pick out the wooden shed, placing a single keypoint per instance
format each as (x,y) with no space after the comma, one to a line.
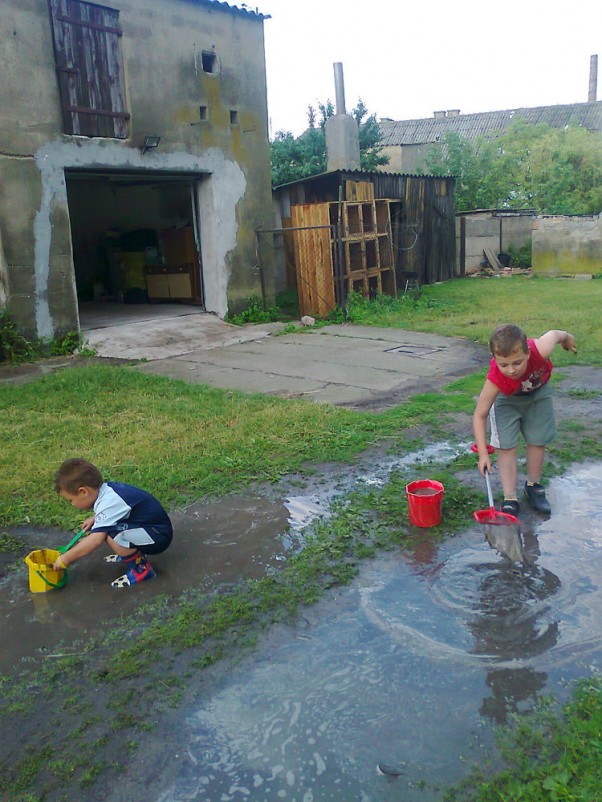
(367,232)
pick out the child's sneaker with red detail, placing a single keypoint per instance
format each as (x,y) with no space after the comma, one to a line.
(140,570)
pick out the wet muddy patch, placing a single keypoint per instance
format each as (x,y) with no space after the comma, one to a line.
(385,690)
(216,544)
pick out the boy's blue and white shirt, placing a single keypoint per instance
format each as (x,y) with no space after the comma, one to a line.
(122,507)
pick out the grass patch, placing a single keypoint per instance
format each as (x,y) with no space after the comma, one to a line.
(179,441)
(473,307)
(554,757)
(575,392)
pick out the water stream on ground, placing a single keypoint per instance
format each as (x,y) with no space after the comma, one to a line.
(390,691)
(387,689)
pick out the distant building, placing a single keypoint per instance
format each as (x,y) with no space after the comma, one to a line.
(407,142)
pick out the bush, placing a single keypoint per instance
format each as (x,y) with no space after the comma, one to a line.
(255,312)
(520,257)
(16,349)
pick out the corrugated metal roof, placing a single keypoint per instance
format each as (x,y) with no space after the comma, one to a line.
(243,8)
(471,126)
(355,175)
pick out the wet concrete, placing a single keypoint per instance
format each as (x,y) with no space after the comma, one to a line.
(360,367)
(390,690)
(160,331)
(355,366)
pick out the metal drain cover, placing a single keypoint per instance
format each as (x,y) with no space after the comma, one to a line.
(412,350)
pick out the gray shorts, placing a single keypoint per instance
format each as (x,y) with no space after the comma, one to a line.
(530,415)
(149,539)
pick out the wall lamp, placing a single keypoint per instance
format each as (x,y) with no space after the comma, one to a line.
(150,143)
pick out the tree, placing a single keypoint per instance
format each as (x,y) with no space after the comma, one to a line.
(298,157)
(552,170)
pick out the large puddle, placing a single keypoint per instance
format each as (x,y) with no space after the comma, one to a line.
(387,690)
(391,691)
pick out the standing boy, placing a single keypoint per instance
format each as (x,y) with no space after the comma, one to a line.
(131,521)
(517,396)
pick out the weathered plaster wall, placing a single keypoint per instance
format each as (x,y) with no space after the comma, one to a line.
(3,277)
(217,209)
(404,158)
(567,246)
(165,86)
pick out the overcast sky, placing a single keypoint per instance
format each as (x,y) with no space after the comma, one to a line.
(406,60)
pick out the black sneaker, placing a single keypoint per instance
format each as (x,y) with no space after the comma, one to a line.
(510,506)
(536,496)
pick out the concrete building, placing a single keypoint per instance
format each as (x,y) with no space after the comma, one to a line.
(134,156)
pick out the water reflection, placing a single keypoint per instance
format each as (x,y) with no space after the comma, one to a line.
(512,618)
(513,690)
(514,621)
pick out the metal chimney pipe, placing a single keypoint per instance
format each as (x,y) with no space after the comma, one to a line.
(593,79)
(339,88)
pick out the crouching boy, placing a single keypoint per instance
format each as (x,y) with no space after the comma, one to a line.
(130,521)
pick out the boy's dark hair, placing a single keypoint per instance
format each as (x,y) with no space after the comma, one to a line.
(505,339)
(76,473)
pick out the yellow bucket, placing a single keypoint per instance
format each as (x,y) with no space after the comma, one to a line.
(42,576)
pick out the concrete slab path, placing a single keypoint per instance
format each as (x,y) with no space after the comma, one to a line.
(355,366)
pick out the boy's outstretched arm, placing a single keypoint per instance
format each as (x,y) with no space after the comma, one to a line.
(548,341)
(84,547)
(479,423)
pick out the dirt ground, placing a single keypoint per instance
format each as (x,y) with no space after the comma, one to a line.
(578,404)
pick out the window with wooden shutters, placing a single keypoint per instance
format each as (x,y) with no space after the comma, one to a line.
(88,64)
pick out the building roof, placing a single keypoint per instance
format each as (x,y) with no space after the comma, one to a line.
(240,8)
(353,175)
(471,126)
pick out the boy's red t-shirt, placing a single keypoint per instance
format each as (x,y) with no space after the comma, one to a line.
(537,374)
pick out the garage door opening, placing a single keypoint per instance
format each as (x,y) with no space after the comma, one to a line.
(135,238)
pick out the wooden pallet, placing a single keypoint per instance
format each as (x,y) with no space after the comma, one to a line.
(367,263)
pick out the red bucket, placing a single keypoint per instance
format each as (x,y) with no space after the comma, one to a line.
(425,498)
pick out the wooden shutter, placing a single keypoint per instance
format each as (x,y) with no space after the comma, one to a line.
(88,63)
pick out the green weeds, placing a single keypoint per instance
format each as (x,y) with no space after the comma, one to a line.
(554,757)
(257,312)
(15,348)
